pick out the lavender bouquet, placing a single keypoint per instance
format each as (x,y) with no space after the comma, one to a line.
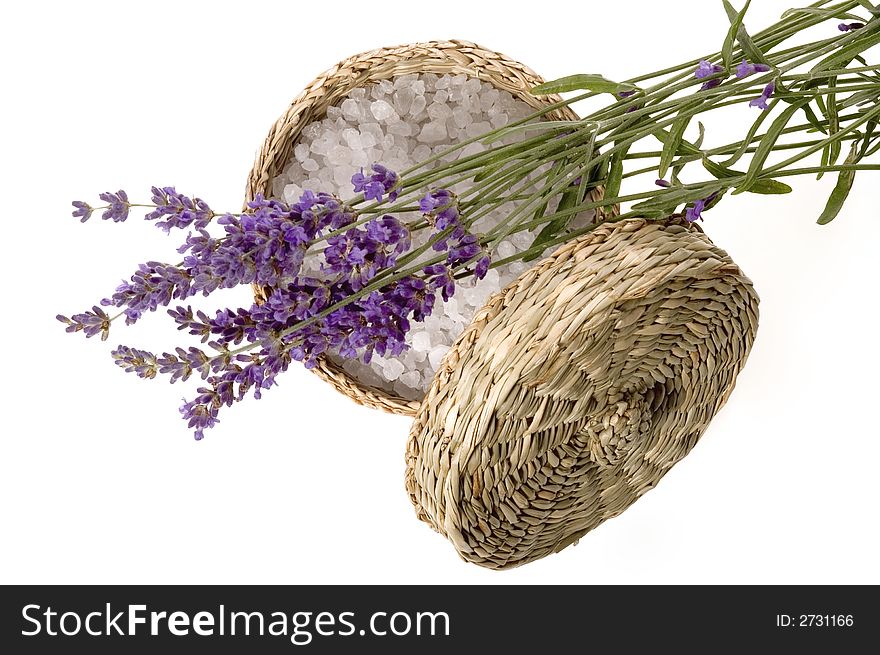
(353,275)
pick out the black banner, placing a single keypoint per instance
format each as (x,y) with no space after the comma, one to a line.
(515,619)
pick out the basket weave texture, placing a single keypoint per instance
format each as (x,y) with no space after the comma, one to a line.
(574,390)
(332,86)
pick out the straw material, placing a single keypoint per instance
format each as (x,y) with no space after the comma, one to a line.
(329,88)
(575,389)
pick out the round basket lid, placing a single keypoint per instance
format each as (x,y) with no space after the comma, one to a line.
(575,389)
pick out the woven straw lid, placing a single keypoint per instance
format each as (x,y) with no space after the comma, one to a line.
(332,86)
(575,389)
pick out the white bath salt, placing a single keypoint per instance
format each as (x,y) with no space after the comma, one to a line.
(399,123)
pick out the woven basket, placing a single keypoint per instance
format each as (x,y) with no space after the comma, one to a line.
(329,88)
(574,389)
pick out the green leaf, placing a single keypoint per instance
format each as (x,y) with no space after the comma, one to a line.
(763,187)
(730,39)
(841,190)
(823,162)
(859,97)
(813,120)
(615,173)
(702,135)
(770,188)
(765,145)
(870,127)
(748,46)
(595,83)
(673,142)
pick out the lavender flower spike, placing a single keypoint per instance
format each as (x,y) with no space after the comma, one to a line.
(83,210)
(745,69)
(178,210)
(89,323)
(706,69)
(848,27)
(117,206)
(761,100)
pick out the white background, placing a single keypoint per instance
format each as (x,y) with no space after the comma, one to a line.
(101,482)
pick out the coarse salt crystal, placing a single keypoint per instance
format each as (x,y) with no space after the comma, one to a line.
(381,110)
(433,132)
(421,341)
(436,356)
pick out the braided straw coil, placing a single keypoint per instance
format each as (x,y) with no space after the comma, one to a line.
(331,87)
(576,388)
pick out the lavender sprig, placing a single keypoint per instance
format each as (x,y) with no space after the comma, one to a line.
(117,206)
(89,322)
(304,315)
(178,210)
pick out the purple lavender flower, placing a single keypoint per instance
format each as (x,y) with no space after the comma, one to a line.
(463,251)
(693,213)
(662,183)
(745,69)
(761,100)
(706,69)
(440,277)
(439,199)
(413,294)
(117,206)
(390,232)
(848,27)
(201,412)
(153,285)
(359,181)
(182,364)
(441,209)
(482,267)
(198,324)
(178,210)
(710,84)
(83,210)
(89,323)
(233,327)
(132,360)
(374,186)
